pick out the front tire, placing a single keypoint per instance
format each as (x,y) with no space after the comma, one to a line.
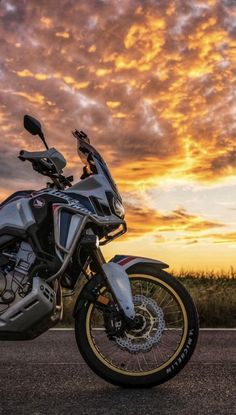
(144,368)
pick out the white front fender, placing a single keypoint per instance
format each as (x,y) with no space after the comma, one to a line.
(118,279)
(119,282)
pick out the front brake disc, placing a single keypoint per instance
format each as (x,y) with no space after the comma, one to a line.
(136,341)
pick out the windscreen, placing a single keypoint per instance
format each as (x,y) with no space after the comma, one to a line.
(93,161)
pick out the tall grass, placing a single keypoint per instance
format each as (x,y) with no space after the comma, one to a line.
(214,294)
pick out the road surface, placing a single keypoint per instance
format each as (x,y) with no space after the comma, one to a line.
(48,376)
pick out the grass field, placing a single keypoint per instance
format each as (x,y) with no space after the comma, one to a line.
(214,296)
(213,293)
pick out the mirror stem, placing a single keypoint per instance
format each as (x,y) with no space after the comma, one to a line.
(43,140)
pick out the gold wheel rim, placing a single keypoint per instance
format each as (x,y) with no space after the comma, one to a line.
(159,368)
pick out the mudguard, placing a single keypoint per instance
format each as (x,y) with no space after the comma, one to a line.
(126,261)
(118,280)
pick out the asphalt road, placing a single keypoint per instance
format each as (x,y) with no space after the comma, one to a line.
(48,376)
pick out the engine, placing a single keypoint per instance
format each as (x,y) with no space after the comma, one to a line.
(15,280)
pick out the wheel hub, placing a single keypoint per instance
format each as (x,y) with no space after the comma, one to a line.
(149,328)
(140,323)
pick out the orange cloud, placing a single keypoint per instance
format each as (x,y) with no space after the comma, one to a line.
(145,220)
(146,39)
(113,104)
(36,98)
(92,48)
(172,68)
(217,238)
(47,22)
(65,35)
(25,73)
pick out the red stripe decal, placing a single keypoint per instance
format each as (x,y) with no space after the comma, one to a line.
(126,260)
(54,206)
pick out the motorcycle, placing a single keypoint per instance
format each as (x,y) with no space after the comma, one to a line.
(135,325)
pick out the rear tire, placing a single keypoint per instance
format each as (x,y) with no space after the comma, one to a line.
(186,331)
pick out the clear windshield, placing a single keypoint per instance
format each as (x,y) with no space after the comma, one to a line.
(94,162)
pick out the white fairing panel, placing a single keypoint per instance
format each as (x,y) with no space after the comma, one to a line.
(17,214)
(91,186)
(95,186)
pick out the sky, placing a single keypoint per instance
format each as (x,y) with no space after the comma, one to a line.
(153,85)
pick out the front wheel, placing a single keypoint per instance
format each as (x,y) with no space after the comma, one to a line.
(158,349)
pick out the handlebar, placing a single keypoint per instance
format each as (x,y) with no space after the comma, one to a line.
(43,165)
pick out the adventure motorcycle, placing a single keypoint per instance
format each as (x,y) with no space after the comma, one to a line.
(135,325)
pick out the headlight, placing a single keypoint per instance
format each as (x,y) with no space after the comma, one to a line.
(118,208)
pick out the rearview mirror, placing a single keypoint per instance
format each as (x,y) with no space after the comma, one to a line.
(34,127)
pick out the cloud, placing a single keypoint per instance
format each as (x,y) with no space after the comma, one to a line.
(143,220)
(161,79)
(152,86)
(217,238)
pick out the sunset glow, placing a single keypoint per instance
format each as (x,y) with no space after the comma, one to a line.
(153,85)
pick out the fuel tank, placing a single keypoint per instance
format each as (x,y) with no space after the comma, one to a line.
(16,214)
(24,209)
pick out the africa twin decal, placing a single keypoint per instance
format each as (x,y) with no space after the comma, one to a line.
(71,202)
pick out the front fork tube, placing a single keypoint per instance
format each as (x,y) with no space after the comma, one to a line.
(118,281)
